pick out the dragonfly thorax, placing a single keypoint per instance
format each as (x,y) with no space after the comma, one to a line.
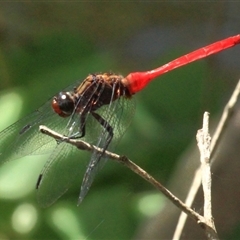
(95,91)
(99,89)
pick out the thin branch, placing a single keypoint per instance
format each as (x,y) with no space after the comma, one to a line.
(191,195)
(204,141)
(226,116)
(135,168)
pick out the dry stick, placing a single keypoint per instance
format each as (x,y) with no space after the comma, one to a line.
(204,141)
(227,114)
(135,168)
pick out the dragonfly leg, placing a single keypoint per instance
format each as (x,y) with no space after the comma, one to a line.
(79,134)
(105,125)
(82,128)
(94,163)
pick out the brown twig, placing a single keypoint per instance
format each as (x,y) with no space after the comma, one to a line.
(135,168)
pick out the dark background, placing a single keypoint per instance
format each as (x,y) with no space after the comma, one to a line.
(45,47)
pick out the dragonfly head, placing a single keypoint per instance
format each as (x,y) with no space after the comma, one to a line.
(63,104)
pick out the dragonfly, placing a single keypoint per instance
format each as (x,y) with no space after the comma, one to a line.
(98,110)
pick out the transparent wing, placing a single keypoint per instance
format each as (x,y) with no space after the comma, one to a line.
(118,115)
(23,137)
(61,168)
(59,173)
(65,163)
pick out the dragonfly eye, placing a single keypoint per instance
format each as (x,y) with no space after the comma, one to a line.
(63,104)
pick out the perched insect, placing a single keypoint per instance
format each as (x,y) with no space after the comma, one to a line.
(99,109)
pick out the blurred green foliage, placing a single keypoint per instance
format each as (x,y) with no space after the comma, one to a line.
(47,46)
